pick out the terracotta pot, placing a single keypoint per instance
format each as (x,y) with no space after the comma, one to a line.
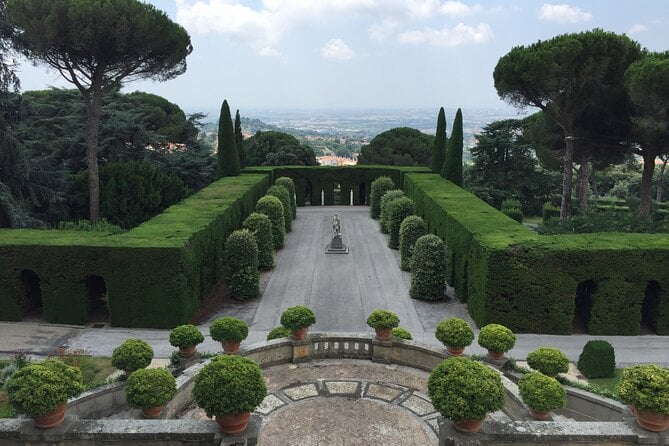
(51,419)
(152,412)
(384,334)
(650,420)
(540,415)
(468,426)
(187,351)
(455,351)
(230,347)
(300,333)
(495,355)
(233,424)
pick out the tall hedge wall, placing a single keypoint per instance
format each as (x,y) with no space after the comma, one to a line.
(510,275)
(155,274)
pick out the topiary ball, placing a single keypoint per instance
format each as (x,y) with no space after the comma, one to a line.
(454,332)
(185,335)
(278,333)
(229,329)
(299,316)
(378,188)
(646,387)
(541,393)
(597,360)
(379,319)
(496,338)
(549,361)
(402,333)
(150,387)
(132,355)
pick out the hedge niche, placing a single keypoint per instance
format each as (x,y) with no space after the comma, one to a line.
(384,218)
(261,228)
(412,228)
(428,281)
(272,207)
(398,210)
(378,189)
(241,260)
(289,184)
(282,194)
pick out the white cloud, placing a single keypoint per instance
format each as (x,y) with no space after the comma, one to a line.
(637,28)
(382,31)
(561,13)
(337,49)
(458,9)
(461,34)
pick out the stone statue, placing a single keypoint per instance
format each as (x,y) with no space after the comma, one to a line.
(336,225)
(336,246)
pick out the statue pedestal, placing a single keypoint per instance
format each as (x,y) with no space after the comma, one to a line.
(336,246)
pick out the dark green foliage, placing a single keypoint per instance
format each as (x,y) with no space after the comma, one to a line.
(278,333)
(398,210)
(606,220)
(496,338)
(597,360)
(283,194)
(428,269)
(549,212)
(411,229)
(228,155)
(239,139)
(150,387)
(288,183)
(646,387)
(401,146)
(133,354)
(463,389)
(185,335)
(241,263)
(454,332)
(229,384)
(512,208)
(440,142)
(541,393)
(101,225)
(294,318)
(272,207)
(229,329)
(384,217)
(379,319)
(402,333)
(379,188)
(277,149)
(452,168)
(549,361)
(261,228)
(38,388)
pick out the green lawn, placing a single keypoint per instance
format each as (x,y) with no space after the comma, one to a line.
(609,384)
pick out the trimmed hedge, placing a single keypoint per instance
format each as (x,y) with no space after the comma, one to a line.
(289,184)
(597,360)
(272,207)
(380,187)
(427,269)
(397,211)
(384,218)
(412,228)
(261,228)
(510,275)
(282,194)
(241,255)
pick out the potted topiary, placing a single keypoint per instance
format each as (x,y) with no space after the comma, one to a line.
(497,339)
(549,361)
(278,333)
(132,355)
(455,334)
(383,321)
(646,389)
(230,332)
(597,360)
(186,337)
(541,394)
(230,387)
(465,391)
(297,319)
(41,390)
(402,333)
(150,390)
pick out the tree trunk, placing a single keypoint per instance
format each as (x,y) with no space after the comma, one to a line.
(593,175)
(584,189)
(646,184)
(660,179)
(567,177)
(94,113)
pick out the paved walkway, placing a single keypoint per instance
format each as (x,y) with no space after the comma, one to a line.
(342,289)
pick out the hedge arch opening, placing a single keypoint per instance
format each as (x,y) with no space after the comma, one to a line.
(308,191)
(96,292)
(362,194)
(32,306)
(337,194)
(583,305)
(650,307)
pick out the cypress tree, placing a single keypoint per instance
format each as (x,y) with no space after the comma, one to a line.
(228,157)
(439,148)
(452,169)
(239,139)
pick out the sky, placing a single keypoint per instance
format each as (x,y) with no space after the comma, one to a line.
(367,54)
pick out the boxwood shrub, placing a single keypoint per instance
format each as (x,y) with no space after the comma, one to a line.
(185,335)
(428,275)
(398,210)
(379,319)
(378,188)
(384,217)
(299,316)
(646,387)
(282,194)
(497,338)
(549,361)
(272,207)
(597,360)
(541,393)
(278,333)
(402,333)
(133,354)
(412,228)
(289,184)
(261,228)
(241,254)
(150,387)
(454,332)
(229,329)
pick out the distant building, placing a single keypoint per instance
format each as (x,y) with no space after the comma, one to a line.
(330,160)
